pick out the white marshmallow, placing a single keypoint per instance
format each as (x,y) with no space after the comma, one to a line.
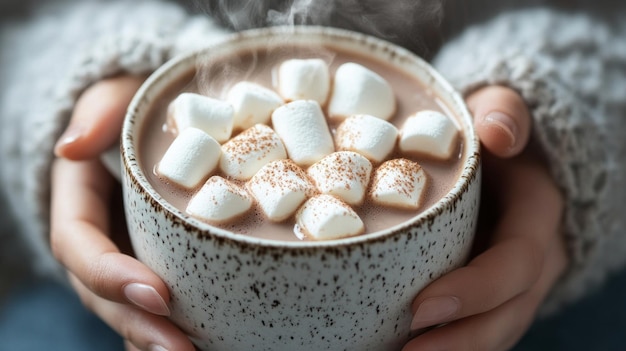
(246,153)
(304,79)
(344,174)
(325,217)
(219,201)
(358,90)
(398,183)
(253,104)
(212,116)
(302,127)
(280,187)
(370,136)
(191,157)
(429,133)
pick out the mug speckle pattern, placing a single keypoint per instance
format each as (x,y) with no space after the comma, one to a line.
(232,292)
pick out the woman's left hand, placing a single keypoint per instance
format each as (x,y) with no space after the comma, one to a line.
(489,304)
(88,233)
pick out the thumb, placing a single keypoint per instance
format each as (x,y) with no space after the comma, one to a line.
(502,120)
(97,118)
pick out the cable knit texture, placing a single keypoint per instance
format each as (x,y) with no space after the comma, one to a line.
(571,71)
(50,62)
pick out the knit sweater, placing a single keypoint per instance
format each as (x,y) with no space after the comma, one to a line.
(570,67)
(49,54)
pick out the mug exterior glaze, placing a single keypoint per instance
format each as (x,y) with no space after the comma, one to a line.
(235,292)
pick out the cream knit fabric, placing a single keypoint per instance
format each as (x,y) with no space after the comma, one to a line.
(45,65)
(571,70)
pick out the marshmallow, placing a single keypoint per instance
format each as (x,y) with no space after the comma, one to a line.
(191,157)
(245,154)
(280,187)
(398,183)
(344,174)
(302,127)
(358,90)
(429,133)
(325,217)
(306,79)
(214,117)
(253,104)
(372,137)
(219,201)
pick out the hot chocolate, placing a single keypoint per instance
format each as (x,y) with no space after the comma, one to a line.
(216,78)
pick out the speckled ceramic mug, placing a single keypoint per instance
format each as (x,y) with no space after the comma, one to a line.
(235,292)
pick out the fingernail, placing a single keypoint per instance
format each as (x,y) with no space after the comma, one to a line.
(147,298)
(435,310)
(156,348)
(71,134)
(505,123)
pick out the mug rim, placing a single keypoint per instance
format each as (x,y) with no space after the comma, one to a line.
(132,169)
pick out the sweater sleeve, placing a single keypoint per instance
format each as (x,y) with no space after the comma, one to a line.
(571,71)
(46,62)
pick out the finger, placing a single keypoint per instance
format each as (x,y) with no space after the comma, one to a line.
(129,346)
(501,328)
(508,268)
(97,118)
(495,277)
(140,329)
(502,120)
(79,239)
(492,331)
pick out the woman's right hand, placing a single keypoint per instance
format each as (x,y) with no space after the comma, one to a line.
(519,250)
(88,233)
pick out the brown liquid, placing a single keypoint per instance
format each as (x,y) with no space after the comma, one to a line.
(215,77)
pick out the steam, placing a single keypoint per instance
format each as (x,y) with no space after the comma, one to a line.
(405,22)
(408,23)
(302,12)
